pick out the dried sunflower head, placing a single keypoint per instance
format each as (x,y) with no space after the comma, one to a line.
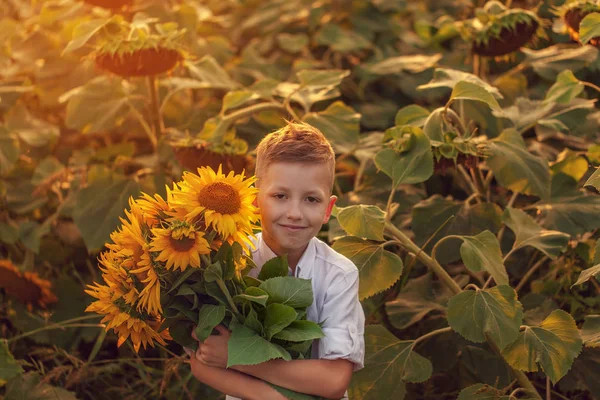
(572,13)
(27,287)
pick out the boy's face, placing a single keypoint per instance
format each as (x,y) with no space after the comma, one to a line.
(295,201)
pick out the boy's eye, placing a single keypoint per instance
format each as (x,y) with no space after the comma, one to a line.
(279,196)
(312,199)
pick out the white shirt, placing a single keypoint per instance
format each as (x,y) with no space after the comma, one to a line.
(335,289)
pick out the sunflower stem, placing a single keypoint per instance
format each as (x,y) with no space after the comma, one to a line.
(229,299)
(54,326)
(156,117)
(225,123)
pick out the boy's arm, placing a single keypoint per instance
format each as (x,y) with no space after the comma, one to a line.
(326,378)
(233,383)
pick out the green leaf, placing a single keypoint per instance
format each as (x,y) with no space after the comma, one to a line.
(278,317)
(495,312)
(378,268)
(434,124)
(389,363)
(362,221)
(517,169)
(322,78)
(587,274)
(10,233)
(589,27)
(554,345)
(237,98)
(411,115)
(341,40)
(208,70)
(479,391)
(48,167)
(446,77)
(98,208)
(9,368)
(471,91)
(566,88)
(247,347)
(84,32)
(97,106)
(396,65)
(209,316)
(292,43)
(31,233)
(9,151)
(550,61)
(213,272)
(30,387)
(340,125)
(590,331)
(594,180)
(276,266)
(288,290)
(529,233)
(34,131)
(299,331)
(569,163)
(414,165)
(483,252)
(254,295)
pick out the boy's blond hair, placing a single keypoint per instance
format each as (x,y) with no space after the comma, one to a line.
(295,142)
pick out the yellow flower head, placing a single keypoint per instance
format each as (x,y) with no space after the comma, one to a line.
(118,277)
(150,294)
(129,240)
(124,320)
(180,245)
(225,202)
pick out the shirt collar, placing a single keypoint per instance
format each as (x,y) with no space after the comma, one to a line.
(305,264)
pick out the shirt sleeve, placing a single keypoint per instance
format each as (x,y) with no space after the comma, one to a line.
(344,322)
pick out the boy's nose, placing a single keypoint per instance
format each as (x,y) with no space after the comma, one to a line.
(293,212)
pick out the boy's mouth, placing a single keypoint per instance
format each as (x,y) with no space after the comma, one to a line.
(292,227)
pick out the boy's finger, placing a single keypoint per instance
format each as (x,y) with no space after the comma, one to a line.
(194,334)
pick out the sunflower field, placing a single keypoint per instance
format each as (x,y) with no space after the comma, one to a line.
(466,135)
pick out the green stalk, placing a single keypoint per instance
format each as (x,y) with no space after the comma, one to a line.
(226,122)
(156,117)
(55,326)
(229,299)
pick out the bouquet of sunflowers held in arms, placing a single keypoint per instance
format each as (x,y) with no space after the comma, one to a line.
(181,264)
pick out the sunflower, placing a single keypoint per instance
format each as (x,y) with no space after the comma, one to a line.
(180,245)
(27,287)
(118,278)
(225,202)
(149,298)
(129,240)
(125,320)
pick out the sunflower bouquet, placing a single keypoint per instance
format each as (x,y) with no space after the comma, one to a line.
(181,264)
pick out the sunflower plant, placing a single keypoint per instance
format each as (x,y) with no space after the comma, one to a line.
(181,264)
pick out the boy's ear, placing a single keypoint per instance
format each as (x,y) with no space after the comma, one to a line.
(332,201)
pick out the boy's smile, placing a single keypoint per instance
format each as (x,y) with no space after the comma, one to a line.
(295,201)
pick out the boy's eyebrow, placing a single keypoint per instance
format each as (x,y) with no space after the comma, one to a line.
(286,188)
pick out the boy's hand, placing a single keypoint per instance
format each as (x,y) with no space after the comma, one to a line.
(213,351)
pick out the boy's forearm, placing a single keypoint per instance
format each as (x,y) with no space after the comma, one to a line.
(234,383)
(326,378)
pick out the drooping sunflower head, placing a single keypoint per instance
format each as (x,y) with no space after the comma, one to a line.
(179,245)
(27,287)
(224,202)
(124,319)
(119,278)
(154,209)
(141,48)
(573,12)
(129,239)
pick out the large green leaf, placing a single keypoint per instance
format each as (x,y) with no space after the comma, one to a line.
(554,345)
(48,167)
(30,387)
(9,368)
(550,61)
(322,78)
(237,98)
(483,252)
(209,316)
(276,266)
(587,274)
(396,65)
(570,211)
(299,331)
(566,88)
(98,208)
(389,363)
(34,131)
(430,214)
(294,292)
(594,180)
(413,164)
(340,39)
(247,347)
(208,71)
(378,268)
(411,115)
(590,331)
(277,318)
(494,312)
(254,295)
(340,125)
(471,91)
(529,233)
(419,297)
(517,169)
(362,221)
(449,78)
(84,32)
(589,27)
(479,391)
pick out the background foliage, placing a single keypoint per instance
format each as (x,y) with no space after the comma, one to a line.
(466,178)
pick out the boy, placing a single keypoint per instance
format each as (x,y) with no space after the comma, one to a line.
(295,170)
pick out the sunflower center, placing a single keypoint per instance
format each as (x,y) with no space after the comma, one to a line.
(220,197)
(182,243)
